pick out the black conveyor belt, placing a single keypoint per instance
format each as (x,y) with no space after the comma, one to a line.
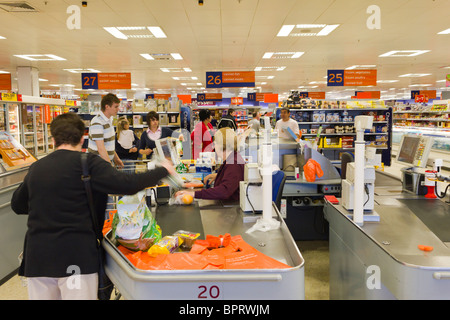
(170,218)
(434,214)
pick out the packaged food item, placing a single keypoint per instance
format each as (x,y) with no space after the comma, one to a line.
(166,245)
(188,238)
(133,225)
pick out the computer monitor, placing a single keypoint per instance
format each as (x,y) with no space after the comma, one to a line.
(414,150)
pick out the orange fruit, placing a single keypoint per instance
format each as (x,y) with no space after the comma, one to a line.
(187,199)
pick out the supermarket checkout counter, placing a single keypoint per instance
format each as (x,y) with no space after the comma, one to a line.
(215,218)
(382,260)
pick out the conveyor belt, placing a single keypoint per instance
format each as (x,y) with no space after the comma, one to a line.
(434,214)
(170,218)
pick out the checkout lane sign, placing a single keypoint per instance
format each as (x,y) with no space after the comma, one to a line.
(230,79)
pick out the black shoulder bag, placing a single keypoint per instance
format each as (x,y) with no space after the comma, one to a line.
(105,286)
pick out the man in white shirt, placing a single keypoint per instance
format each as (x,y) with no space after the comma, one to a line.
(101,131)
(255,123)
(286,122)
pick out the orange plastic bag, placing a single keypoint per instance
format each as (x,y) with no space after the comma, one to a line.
(237,254)
(311,169)
(108,223)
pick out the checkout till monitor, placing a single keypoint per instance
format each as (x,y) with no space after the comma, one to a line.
(414,150)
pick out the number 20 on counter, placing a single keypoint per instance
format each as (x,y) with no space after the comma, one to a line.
(335,78)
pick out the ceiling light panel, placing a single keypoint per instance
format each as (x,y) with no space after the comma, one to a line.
(415,75)
(282,55)
(82,70)
(162,56)
(447,31)
(269,68)
(306,30)
(39,57)
(136,32)
(176,70)
(403,53)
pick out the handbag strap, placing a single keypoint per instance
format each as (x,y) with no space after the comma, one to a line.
(86,178)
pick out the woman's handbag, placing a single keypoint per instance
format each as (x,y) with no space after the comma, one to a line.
(105,286)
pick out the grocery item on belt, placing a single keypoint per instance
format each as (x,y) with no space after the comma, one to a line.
(133,225)
(166,245)
(188,238)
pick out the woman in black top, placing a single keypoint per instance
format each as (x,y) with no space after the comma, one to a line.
(60,232)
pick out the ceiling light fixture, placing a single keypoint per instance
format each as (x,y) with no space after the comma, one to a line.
(155,32)
(306,30)
(447,31)
(269,68)
(403,53)
(82,70)
(387,81)
(282,55)
(363,66)
(39,57)
(147,56)
(414,75)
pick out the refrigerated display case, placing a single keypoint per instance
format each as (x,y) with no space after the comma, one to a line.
(9,118)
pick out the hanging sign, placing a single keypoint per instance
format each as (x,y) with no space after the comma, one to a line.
(209,97)
(5,81)
(233,79)
(271,98)
(367,95)
(312,95)
(185,98)
(430,94)
(162,96)
(339,78)
(106,81)
(237,100)
(256,96)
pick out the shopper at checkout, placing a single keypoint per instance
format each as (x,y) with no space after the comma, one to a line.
(202,135)
(154,132)
(231,172)
(60,238)
(126,144)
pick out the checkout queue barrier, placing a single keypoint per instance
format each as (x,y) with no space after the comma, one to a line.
(246,284)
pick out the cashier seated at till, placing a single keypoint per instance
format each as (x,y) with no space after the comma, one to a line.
(231,172)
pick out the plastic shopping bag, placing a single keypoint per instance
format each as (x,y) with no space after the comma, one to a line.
(311,169)
(133,225)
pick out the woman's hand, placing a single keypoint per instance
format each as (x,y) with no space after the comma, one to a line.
(210,178)
(184,192)
(132,150)
(169,166)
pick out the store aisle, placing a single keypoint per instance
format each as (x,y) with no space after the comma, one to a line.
(315,254)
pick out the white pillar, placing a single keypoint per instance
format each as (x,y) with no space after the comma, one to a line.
(28,81)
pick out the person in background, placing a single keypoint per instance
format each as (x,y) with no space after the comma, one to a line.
(202,135)
(101,131)
(126,145)
(286,122)
(154,132)
(255,123)
(60,238)
(231,172)
(228,120)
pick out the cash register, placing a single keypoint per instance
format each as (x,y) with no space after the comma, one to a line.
(413,152)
